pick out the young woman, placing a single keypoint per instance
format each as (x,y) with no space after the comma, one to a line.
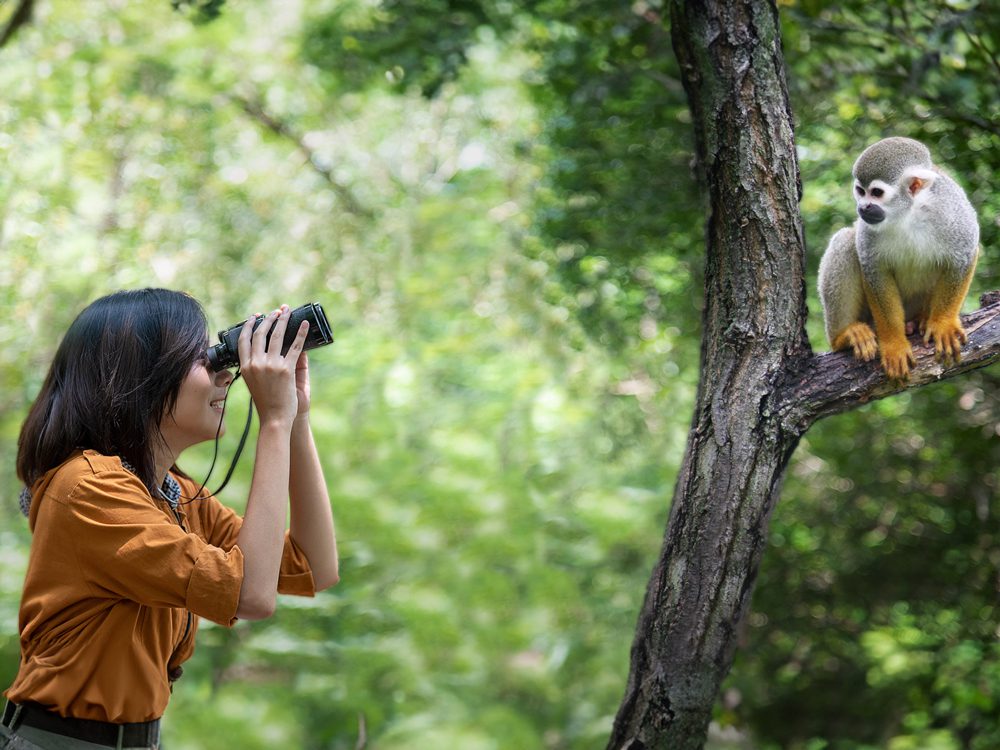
(125,557)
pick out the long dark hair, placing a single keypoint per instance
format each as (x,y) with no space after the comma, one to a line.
(116,373)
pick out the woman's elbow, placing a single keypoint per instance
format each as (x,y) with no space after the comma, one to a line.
(251,608)
(326,580)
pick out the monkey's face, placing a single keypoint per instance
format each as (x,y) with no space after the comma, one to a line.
(872,200)
(881,203)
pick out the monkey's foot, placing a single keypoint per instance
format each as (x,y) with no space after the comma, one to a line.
(897,359)
(948,337)
(859,338)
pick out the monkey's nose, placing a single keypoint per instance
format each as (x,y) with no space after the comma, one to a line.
(870,213)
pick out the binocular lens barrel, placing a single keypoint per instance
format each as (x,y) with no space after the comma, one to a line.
(225,354)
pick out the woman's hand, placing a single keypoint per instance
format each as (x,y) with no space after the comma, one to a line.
(272,379)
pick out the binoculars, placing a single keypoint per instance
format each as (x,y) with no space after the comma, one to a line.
(225,354)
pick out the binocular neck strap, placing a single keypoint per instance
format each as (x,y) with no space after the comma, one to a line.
(239,450)
(215,455)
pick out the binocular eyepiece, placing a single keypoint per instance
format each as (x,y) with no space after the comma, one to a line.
(226,354)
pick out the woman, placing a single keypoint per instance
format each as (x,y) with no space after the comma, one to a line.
(124,556)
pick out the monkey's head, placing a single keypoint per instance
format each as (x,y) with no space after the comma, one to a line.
(888,177)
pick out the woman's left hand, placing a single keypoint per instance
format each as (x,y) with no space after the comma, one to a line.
(302,384)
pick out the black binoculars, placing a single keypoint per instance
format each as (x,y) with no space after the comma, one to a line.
(225,354)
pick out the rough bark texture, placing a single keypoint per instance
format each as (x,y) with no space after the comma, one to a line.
(760,389)
(753,332)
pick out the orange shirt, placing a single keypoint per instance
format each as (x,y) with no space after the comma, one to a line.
(112,576)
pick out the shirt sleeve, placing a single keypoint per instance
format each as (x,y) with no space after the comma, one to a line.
(127,547)
(222,528)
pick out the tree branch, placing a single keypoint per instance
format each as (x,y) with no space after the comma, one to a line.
(283,129)
(835,382)
(20,17)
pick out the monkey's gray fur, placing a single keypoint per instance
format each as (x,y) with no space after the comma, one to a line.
(840,287)
(887,159)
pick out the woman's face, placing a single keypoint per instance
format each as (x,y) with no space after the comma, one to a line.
(197,414)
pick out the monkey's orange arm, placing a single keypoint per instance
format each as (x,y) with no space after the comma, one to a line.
(890,326)
(943,325)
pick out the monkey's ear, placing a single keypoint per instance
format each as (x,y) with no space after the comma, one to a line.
(917,180)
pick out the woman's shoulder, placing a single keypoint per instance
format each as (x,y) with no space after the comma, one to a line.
(92,462)
(81,481)
(79,466)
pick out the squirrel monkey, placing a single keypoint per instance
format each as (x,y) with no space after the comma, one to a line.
(909,258)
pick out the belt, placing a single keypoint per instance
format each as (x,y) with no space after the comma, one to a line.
(140,734)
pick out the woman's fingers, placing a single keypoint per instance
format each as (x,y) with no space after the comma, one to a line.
(243,342)
(269,336)
(278,331)
(300,340)
(258,342)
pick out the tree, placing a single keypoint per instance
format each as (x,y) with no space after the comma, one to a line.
(761,387)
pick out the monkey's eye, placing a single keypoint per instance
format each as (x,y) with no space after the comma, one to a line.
(859,190)
(877,192)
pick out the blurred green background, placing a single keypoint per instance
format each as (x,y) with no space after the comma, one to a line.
(494,202)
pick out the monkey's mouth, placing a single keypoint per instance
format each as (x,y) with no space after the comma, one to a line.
(871,214)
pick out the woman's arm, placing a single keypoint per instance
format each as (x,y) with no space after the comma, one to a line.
(262,535)
(270,378)
(312,519)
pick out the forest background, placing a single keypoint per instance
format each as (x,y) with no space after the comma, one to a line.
(496,204)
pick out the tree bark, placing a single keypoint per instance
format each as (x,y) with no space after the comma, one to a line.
(835,382)
(753,333)
(760,386)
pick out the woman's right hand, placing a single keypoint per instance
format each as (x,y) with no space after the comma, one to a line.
(270,377)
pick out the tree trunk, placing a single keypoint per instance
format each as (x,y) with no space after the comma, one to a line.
(753,335)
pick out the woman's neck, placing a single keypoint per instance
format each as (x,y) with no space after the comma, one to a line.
(163,459)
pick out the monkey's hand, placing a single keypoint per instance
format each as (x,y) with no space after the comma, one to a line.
(860,339)
(897,359)
(948,337)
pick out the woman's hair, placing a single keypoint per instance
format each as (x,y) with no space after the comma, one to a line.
(115,375)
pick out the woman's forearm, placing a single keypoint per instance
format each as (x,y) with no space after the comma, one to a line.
(261,538)
(311,515)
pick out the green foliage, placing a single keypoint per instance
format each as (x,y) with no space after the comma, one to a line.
(421,43)
(617,219)
(201,11)
(495,203)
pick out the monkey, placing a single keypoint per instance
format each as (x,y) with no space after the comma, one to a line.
(907,262)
